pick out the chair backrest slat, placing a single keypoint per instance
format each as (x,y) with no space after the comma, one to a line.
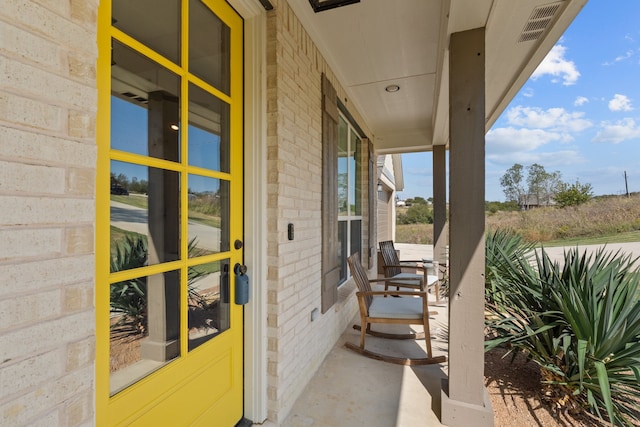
(359,275)
(390,257)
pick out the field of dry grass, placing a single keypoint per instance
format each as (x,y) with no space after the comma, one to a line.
(599,217)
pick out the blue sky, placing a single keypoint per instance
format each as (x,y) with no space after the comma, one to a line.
(578,114)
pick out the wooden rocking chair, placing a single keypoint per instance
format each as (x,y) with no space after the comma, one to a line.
(396,271)
(410,309)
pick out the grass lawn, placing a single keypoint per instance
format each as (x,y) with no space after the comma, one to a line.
(630,236)
(143,202)
(133,200)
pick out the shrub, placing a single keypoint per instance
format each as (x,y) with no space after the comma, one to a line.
(573,194)
(580,322)
(129,297)
(504,251)
(417,214)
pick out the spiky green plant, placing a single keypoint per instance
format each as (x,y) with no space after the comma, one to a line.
(194,274)
(580,322)
(504,251)
(129,297)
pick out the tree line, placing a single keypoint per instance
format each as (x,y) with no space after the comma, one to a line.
(542,188)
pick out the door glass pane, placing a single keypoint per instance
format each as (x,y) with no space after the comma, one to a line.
(145,216)
(145,101)
(208,225)
(343,168)
(154,23)
(208,131)
(209,46)
(145,326)
(208,301)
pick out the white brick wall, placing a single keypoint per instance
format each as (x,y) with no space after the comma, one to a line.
(47,182)
(296,346)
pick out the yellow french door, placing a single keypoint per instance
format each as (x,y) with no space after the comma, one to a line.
(169,213)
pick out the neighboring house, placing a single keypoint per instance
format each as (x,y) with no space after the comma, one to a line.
(254,126)
(528,201)
(390,182)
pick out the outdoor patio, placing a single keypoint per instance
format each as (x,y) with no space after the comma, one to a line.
(352,390)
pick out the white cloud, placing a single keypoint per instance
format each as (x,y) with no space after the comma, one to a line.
(557,66)
(528,93)
(581,100)
(628,54)
(617,132)
(512,140)
(550,159)
(556,119)
(620,103)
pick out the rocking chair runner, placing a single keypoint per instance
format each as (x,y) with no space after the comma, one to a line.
(395,271)
(410,309)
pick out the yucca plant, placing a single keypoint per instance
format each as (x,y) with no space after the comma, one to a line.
(129,297)
(580,322)
(194,274)
(505,253)
(599,300)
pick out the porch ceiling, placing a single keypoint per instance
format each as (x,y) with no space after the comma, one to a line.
(376,43)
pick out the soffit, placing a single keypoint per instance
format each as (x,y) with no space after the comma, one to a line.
(375,43)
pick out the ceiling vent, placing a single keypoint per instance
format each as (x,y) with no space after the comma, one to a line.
(539,21)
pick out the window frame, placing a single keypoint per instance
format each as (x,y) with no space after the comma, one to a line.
(356,177)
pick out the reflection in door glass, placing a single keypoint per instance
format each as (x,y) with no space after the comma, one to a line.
(139,216)
(145,106)
(152,22)
(209,46)
(208,226)
(208,131)
(208,301)
(145,326)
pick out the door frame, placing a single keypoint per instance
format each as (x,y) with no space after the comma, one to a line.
(255,206)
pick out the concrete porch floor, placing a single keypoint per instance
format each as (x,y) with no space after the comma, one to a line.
(352,390)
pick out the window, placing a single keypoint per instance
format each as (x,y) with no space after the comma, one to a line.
(349,178)
(347,195)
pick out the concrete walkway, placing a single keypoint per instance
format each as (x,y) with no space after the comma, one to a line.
(416,252)
(631,248)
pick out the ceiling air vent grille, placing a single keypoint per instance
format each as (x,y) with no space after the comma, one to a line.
(539,21)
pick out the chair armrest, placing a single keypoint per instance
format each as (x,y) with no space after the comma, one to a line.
(404,268)
(391,279)
(392,293)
